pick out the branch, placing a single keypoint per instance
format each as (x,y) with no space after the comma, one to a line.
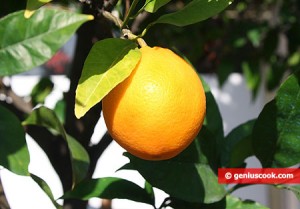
(138,21)
(129,13)
(112,18)
(3,201)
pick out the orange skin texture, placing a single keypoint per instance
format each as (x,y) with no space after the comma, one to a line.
(159,109)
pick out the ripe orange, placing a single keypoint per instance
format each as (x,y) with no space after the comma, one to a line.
(159,109)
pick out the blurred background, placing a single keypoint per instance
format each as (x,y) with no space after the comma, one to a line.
(244,54)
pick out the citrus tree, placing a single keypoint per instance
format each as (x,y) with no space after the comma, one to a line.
(110,56)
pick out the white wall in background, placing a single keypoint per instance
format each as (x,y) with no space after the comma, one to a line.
(236,107)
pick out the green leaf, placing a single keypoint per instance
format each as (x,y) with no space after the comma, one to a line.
(225,68)
(109,62)
(254,35)
(293,188)
(14,154)
(213,119)
(238,145)
(177,203)
(33,5)
(60,110)
(149,190)
(234,203)
(275,74)
(294,59)
(270,42)
(27,43)
(195,11)
(45,117)
(191,170)
(41,90)
(44,186)
(153,5)
(276,134)
(109,188)
(252,75)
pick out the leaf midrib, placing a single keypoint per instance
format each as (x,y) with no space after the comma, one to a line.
(104,75)
(42,34)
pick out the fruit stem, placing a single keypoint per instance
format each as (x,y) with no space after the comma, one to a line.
(141,42)
(128,34)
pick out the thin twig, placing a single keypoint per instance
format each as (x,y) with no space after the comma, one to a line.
(129,13)
(127,7)
(138,21)
(118,22)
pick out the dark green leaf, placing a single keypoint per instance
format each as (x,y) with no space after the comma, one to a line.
(109,188)
(44,186)
(153,5)
(109,62)
(195,11)
(27,43)
(79,158)
(195,179)
(276,134)
(270,43)
(238,145)
(213,119)
(293,35)
(234,203)
(14,154)
(225,68)
(41,90)
(275,74)
(177,203)
(45,117)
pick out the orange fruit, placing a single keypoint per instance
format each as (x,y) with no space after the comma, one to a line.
(159,109)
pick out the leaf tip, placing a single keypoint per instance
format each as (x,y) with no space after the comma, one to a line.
(28,13)
(79,110)
(90,17)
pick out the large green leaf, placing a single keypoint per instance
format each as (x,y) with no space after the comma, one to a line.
(153,5)
(195,11)
(33,5)
(27,43)
(109,188)
(238,145)
(276,134)
(109,62)
(192,170)
(234,203)
(45,117)
(14,154)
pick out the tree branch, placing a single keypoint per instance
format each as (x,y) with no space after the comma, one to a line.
(3,201)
